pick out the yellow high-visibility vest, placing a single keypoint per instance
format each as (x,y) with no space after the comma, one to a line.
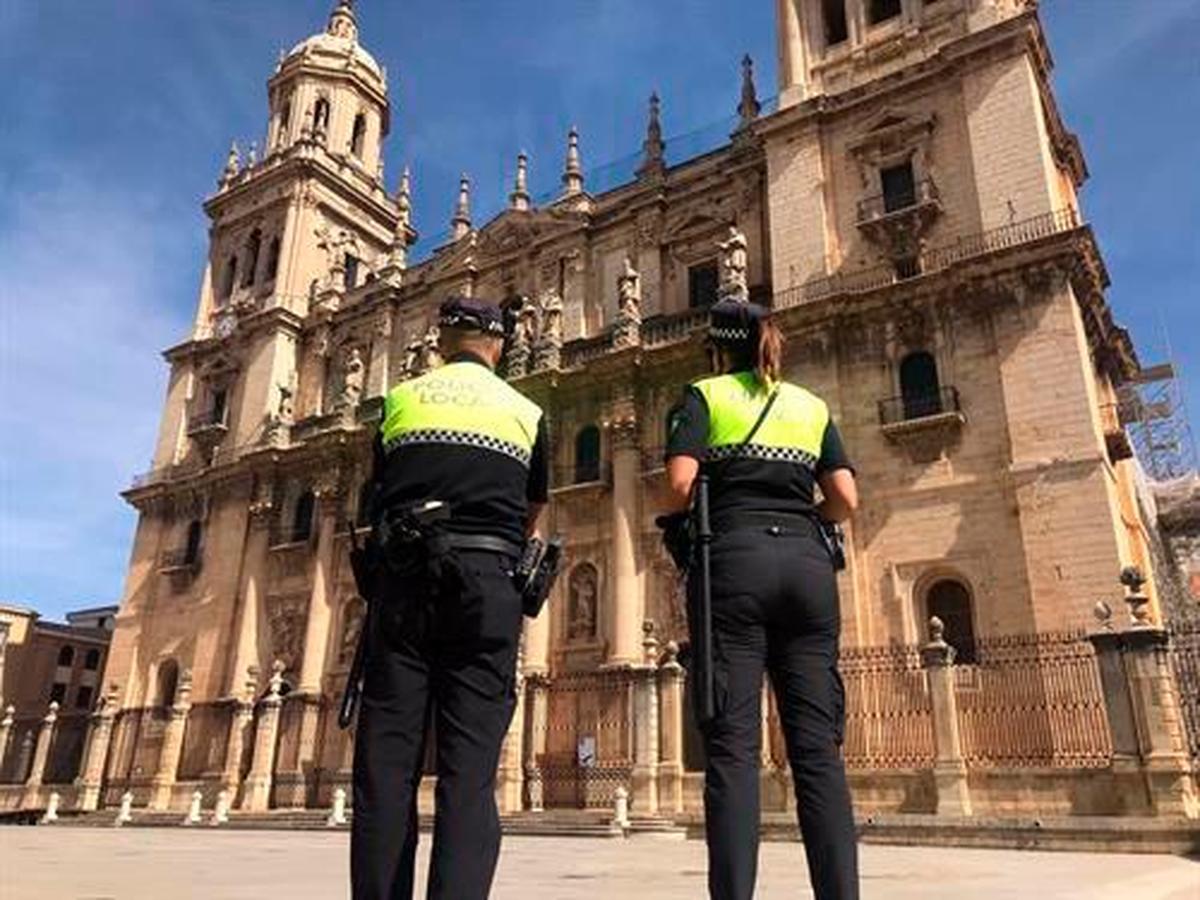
(792,432)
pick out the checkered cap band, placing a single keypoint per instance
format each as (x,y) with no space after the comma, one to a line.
(762,452)
(729,334)
(469,320)
(445,436)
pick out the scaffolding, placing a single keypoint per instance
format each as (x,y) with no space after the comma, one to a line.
(1153,410)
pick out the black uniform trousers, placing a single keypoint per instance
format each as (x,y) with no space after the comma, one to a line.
(775,608)
(448,656)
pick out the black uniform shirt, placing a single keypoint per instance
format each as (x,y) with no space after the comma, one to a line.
(749,485)
(488,492)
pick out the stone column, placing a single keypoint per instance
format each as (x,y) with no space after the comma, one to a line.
(626,594)
(645,729)
(949,768)
(257,541)
(256,794)
(162,785)
(91,778)
(239,730)
(6,728)
(670,714)
(41,756)
(536,686)
(509,787)
(1157,714)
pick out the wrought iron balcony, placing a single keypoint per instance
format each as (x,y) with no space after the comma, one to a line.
(914,407)
(211,423)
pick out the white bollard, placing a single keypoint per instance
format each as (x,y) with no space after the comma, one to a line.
(337,815)
(621,808)
(221,812)
(193,816)
(125,813)
(51,814)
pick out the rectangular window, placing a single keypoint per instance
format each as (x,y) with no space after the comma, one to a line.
(703,283)
(58,693)
(218,406)
(834,13)
(899,187)
(83,699)
(351,271)
(882,10)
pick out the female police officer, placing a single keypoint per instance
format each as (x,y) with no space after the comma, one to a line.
(774,596)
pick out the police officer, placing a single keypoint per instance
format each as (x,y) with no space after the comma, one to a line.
(443,641)
(774,596)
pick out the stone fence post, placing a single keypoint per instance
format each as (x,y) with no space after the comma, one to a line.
(1142,702)
(949,768)
(162,785)
(670,711)
(256,796)
(644,796)
(91,773)
(41,756)
(538,699)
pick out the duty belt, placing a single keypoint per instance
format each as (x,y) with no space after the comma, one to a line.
(774,523)
(487,542)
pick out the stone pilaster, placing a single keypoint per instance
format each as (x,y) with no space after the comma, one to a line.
(41,756)
(949,768)
(256,795)
(671,677)
(644,777)
(624,643)
(6,733)
(91,778)
(240,723)
(162,785)
(250,615)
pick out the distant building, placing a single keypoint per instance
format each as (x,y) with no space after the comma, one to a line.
(43,662)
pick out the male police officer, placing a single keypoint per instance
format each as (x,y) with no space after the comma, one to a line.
(443,641)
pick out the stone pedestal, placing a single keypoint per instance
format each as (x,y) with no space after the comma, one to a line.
(162,785)
(671,677)
(41,756)
(91,779)
(256,793)
(949,768)
(536,697)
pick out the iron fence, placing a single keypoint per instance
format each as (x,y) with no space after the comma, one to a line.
(889,714)
(1185,664)
(919,406)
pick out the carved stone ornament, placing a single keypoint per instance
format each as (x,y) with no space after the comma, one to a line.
(286,619)
(353,378)
(735,261)
(583,600)
(629,309)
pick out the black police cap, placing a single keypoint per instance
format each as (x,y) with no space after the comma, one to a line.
(471,314)
(734,321)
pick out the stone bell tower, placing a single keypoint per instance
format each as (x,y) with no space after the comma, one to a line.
(295,222)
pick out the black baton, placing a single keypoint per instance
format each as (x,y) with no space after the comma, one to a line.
(703,656)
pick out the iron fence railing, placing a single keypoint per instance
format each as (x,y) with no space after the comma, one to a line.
(1185,663)
(920,405)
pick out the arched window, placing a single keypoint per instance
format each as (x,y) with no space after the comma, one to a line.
(358,135)
(351,270)
(950,601)
(587,455)
(168,681)
(66,656)
(91,662)
(302,517)
(285,118)
(191,549)
(321,114)
(272,259)
(253,247)
(919,385)
(230,277)
(583,607)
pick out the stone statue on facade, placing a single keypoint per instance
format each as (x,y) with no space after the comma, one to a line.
(581,620)
(548,351)
(629,307)
(412,356)
(280,419)
(429,357)
(734,263)
(520,343)
(353,375)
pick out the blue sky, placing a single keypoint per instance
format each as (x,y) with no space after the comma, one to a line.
(123,110)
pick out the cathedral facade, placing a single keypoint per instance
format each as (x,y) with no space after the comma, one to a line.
(909,209)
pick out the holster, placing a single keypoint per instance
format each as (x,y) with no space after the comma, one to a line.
(678,538)
(536,573)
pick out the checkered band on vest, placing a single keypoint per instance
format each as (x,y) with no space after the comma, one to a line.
(762,452)
(729,334)
(460,439)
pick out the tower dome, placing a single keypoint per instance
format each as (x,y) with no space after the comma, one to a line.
(335,45)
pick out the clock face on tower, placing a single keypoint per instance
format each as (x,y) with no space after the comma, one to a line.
(225,325)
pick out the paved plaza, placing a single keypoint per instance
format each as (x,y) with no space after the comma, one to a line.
(177,864)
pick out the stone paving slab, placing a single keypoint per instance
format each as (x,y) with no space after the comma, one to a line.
(50,863)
